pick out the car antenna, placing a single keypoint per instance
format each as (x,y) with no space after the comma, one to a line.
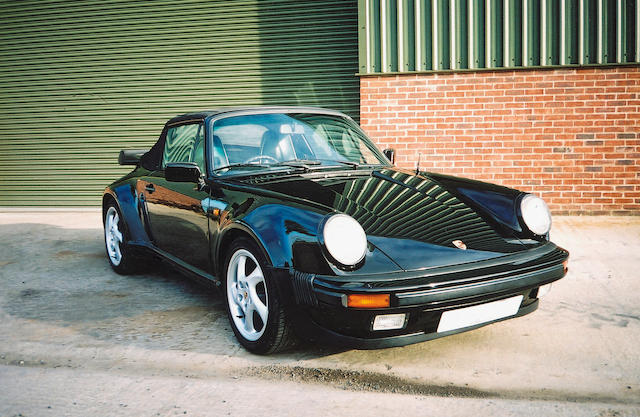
(418,163)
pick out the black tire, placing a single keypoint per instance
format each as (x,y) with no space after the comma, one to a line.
(125,263)
(277,333)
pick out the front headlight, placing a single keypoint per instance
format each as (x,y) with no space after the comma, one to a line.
(344,239)
(536,214)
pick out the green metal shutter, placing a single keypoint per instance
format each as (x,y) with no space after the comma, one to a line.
(79,80)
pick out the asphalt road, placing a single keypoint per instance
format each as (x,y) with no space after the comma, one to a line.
(77,339)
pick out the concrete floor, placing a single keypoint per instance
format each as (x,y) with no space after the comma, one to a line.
(76,338)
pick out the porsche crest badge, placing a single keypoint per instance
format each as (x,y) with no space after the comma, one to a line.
(459,244)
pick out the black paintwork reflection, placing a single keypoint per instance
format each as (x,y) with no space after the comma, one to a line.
(268,222)
(410,220)
(396,208)
(411,254)
(283,228)
(497,204)
(177,222)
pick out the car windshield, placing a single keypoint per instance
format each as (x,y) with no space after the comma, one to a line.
(305,140)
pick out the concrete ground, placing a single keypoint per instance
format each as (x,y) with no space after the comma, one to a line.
(77,339)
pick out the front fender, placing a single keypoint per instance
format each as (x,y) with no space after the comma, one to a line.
(496,204)
(288,234)
(290,237)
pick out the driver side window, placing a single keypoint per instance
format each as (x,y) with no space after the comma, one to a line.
(185,143)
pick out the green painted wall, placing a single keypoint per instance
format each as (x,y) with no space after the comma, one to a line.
(79,80)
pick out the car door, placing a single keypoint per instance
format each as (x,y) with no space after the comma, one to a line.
(176,221)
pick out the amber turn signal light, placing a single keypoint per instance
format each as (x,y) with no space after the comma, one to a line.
(368,300)
(565,264)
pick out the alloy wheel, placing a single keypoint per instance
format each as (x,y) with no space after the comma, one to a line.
(113,236)
(247,295)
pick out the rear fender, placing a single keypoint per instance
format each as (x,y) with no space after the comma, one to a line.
(130,206)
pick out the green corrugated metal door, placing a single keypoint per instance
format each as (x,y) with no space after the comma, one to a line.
(79,80)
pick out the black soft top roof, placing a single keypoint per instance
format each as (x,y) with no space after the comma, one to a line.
(252,109)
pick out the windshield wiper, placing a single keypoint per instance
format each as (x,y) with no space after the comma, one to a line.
(355,165)
(301,162)
(352,164)
(242,165)
(305,164)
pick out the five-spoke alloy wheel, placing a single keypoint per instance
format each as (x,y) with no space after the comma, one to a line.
(114,238)
(257,317)
(247,295)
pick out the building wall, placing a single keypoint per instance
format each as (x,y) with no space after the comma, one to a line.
(569,135)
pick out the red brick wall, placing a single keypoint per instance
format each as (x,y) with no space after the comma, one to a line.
(569,135)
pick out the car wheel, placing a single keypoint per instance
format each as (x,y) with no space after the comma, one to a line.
(118,252)
(257,316)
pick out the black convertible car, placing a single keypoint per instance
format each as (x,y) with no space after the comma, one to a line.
(309,230)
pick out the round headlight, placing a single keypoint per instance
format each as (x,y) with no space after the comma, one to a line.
(536,214)
(344,239)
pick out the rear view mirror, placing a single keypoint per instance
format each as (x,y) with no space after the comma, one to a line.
(131,156)
(183,172)
(390,154)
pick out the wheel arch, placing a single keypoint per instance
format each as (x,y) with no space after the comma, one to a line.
(124,197)
(108,198)
(236,231)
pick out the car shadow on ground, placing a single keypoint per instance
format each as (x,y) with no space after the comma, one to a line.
(61,277)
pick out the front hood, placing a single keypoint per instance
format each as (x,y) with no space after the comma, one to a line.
(413,219)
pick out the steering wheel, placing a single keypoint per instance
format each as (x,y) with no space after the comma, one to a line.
(259,158)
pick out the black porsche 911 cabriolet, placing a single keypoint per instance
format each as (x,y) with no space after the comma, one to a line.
(309,230)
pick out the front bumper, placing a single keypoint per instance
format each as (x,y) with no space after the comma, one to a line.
(423,295)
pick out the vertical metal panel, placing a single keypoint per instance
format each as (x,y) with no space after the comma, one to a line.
(459,35)
(569,29)
(389,35)
(630,30)
(424,35)
(81,80)
(607,28)
(588,17)
(406,36)
(454,34)
(549,32)
(375,37)
(400,35)
(621,36)
(563,32)
(441,34)
(626,30)
(494,35)
(602,37)
(512,33)
(530,32)
(476,40)
(612,29)
(384,32)
(507,32)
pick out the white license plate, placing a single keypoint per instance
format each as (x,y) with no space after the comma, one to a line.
(482,313)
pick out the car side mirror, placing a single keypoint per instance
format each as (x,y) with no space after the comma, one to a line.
(182,172)
(390,153)
(131,156)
